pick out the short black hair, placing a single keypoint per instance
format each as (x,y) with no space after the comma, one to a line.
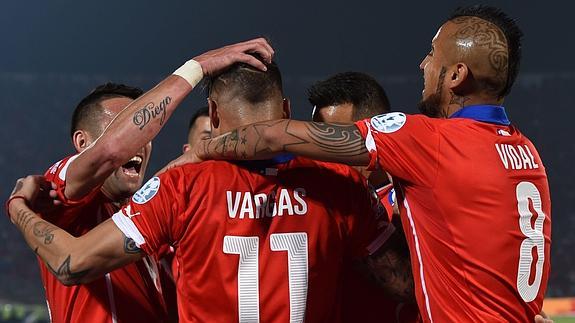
(88,110)
(248,83)
(202,112)
(361,90)
(510,29)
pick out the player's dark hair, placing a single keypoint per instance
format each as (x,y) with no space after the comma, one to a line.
(89,108)
(202,112)
(246,82)
(361,90)
(510,29)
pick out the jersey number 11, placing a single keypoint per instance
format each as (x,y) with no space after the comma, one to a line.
(247,248)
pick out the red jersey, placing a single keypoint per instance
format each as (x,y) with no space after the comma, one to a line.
(257,241)
(475,208)
(127,294)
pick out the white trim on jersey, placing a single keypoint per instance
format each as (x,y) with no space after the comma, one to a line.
(64,169)
(421,275)
(111,298)
(127,226)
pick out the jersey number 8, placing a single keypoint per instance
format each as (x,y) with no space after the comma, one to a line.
(526,191)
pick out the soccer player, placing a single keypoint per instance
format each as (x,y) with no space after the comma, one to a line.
(346,98)
(473,191)
(254,241)
(94,184)
(125,294)
(199,128)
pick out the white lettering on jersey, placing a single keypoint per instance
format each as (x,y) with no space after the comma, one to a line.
(247,206)
(299,194)
(233,210)
(257,206)
(516,157)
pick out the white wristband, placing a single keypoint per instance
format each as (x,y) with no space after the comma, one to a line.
(191,71)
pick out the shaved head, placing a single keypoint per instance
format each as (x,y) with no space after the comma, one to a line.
(489,42)
(483,47)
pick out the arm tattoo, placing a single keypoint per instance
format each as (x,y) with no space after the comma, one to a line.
(65,274)
(23,218)
(43,230)
(130,246)
(344,140)
(151,111)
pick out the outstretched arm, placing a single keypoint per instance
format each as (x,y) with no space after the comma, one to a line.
(324,141)
(141,121)
(72,260)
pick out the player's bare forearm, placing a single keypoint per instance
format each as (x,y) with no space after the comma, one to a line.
(130,130)
(73,260)
(322,141)
(141,121)
(390,269)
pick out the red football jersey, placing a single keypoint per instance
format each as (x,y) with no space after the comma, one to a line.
(259,241)
(128,294)
(476,210)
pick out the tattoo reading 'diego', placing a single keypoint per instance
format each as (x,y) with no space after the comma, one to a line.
(151,111)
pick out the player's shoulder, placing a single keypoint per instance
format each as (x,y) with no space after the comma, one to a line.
(58,169)
(399,122)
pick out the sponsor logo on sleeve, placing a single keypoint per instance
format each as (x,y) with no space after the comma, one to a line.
(147,192)
(389,122)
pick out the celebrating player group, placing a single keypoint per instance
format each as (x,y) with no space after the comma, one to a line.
(361,215)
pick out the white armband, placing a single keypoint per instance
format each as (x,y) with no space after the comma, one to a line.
(191,71)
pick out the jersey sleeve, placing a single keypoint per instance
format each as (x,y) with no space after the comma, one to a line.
(57,175)
(406,146)
(150,219)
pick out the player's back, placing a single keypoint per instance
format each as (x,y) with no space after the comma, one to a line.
(264,242)
(481,225)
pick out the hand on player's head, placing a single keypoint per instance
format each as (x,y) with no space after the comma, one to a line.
(215,61)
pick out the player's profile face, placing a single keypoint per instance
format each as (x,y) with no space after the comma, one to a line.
(433,68)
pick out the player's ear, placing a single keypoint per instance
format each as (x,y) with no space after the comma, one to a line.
(185,148)
(81,140)
(213,110)
(460,78)
(286,108)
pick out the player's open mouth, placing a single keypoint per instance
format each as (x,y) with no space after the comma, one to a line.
(132,168)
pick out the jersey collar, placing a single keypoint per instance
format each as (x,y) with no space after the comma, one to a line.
(266,163)
(484,113)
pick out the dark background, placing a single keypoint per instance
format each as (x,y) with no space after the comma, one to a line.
(52,53)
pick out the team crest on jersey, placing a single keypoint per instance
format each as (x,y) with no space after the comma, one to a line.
(389,122)
(147,192)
